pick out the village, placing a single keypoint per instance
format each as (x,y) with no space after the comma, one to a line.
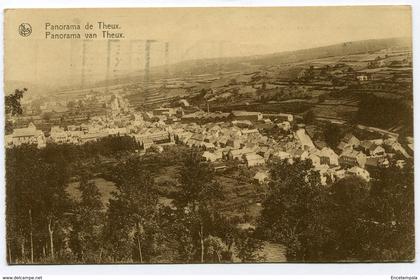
(240,137)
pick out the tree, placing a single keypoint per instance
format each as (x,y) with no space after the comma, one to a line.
(214,248)
(373,221)
(248,246)
(332,135)
(293,210)
(47,116)
(132,227)
(197,201)
(353,220)
(308,117)
(391,212)
(348,220)
(12,102)
(154,149)
(86,237)
(13,107)
(19,195)
(53,199)
(36,202)
(384,112)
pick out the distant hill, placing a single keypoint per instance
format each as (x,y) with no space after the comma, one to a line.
(341,49)
(251,63)
(240,63)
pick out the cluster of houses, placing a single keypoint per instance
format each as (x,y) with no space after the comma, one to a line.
(120,121)
(224,137)
(27,135)
(146,135)
(235,138)
(226,141)
(354,157)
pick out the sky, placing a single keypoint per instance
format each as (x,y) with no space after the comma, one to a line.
(192,33)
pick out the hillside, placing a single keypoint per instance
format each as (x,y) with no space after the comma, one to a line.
(241,63)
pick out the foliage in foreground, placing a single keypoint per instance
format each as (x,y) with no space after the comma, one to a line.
(352,220)
(45,225)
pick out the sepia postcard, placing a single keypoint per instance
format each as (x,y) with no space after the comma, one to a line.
(209,135)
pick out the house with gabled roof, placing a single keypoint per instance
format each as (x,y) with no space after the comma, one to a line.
(245,115)
(376,150)
(351,140)
(222,141)
(328,156)
(238,153)
(282,155)
(235,143)
(28,135)
(299,153)
(212,156)
(371,148)
(252,159)
(261,177)
(352,158)
(58,135)
(358,171)
(315,157)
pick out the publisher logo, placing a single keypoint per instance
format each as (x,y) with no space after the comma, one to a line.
(25,29)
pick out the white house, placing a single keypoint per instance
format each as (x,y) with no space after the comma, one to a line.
(254,159)
(282,155)
(58,135)
(328,156)
(351,140)
(315,158)
(355,170)
(284,125)
(28,135)
(304,139)
(261,177)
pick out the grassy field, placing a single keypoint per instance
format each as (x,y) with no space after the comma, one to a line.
(334,111)
(105,188)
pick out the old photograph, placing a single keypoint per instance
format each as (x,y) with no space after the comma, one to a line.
(209,135)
